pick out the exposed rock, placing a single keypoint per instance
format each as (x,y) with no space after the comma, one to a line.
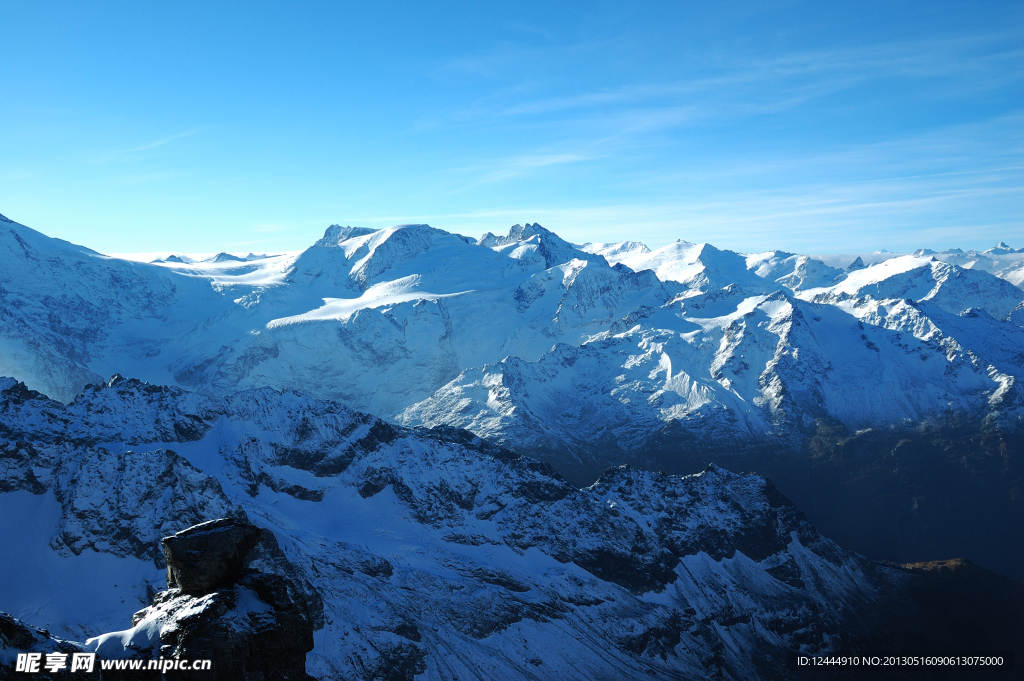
(251,625)
(335,234)
(253,630)
(208,555)
(459,561)
(18,637)
(963,607)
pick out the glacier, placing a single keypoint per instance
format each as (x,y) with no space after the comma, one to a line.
(587,356)
(542,487)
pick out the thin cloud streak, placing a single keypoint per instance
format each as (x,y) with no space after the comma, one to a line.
(141,151)
(158,143)
(517,167)
(776,81)
(802,219)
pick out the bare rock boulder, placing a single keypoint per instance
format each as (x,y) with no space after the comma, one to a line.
(211,554)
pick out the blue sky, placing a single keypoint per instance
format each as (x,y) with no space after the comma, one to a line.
(810,127)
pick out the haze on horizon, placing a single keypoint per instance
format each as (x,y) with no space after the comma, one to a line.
(811,128)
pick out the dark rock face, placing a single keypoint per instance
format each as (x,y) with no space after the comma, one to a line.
(208,555)
(256,629)
(253,626)
(16,634)
(962,607)
(641,575)
(18,637)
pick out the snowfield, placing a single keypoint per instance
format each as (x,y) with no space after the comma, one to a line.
(883,389)
(425,553)
(502,335)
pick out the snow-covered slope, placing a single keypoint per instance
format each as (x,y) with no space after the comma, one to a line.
(428,552)
(899,341)
(533,342)
(384,319)
(380,319)
(883,390)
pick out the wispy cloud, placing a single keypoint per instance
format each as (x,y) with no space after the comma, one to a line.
(956,185)
(155,144)
(270,228)
(969,209)
(142,151)
(141,178)
(517,166)
(625,132)
(735,86)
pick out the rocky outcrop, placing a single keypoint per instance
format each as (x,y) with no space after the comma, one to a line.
(250,625)
(255,629)
(434,555)
(253,626)
(335,234)
(18,637)
(208,555)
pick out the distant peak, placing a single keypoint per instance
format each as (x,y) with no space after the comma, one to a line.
(226,257)
(1002,248)
(515,233)
(857,264)
(550,246)
(335,234)
(520,233)
(4,218)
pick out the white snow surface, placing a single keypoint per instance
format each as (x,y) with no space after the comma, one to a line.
(506,335)
(501,569)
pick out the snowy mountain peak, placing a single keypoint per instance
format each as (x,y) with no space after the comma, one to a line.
(518,233)
(335,234)
(585,357)
(613,251)
(226,257)
(515,233)
(1002,248)
(535,242)
(428,544)
(857,264)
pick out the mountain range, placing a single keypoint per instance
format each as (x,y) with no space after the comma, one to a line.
(889,384)
(544,483)
(430,553)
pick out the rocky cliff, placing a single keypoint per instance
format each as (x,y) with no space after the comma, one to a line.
(414,552)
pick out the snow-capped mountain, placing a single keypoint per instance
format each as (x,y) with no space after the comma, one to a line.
(584,356)
(426,553)
(387,320)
